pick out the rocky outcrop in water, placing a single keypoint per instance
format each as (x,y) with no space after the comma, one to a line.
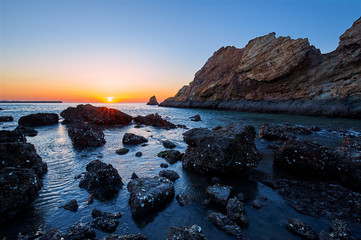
(39,119)
(170,174)
(27,131)
(133,139)
(6,119)
(281,132)
(226,225)
(154,120)
(226,150)
(186,233)
(300,228)
(280,75)
(219,193)
(153,101)
(80,231)
(11,136)
(85,134)
(138,236)
(171,156)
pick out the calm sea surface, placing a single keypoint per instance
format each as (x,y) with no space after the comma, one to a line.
(65,162)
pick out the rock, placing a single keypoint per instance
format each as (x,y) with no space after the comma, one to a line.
(236,212)
(279,132)
(138,154)
(219,193)
(132,139)
(18,189)
(324,235)
(97,213)
(168,144)
(86,135)
(90,199)
(301,229)
(216,180)
(39,119)
(104,224)
(154,120)
(226,225)
(186,233)
(241,197)
(183,199)
(21,155)
(227,150)
(95,115)
(11,136)
(80,231)
(351,141)
(122,151)
(164,165)
(51,234)
(138,236)
(257,204)
(27,131)
(195,118)
(6,119)
(340,230)
(101,180)
(279,75)
(170,174)
(148,194)
(72,205)
(314,129)
(153,101)
(171,156)
(134,176)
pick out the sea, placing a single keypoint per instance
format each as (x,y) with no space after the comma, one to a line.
(65,162)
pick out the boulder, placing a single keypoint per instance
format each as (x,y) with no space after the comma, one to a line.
(11,136)
(186,233)
(27,131)
(105,224)
(195,118)
(168,144)
(148,194)
(226,225)
(97,213)
(183,199)
(86,135)
(171,156)
(132,139)
(164,165)
(170,174)
(226,150)
(101,180)
(39,119)
(72,205)
(219,193)
(138,236)
(301,229)
(95,115)
(18,189)
(122,151)
(154,120)
(80,231)
(236,212)
(6,119)
(138,154)
(340,230)
(134,176)
(153,101)
(281,132)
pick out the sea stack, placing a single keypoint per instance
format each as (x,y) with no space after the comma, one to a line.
(153,101)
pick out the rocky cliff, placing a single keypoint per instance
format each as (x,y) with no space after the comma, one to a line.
(280,75)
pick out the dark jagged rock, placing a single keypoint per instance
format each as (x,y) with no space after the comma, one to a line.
(186,233)
(236,212)
(301,229)
(122,151)
(11,136)
(72,205)
(39,119)
(80,231)
(102,180)
(105,224)
(170,174)
(51,234)
(95,115)
(21,155)
(84,134)
(132,139)
(134,176)
(6,119)
(226,225)
(97,213)
(351,141)
(147,194)
(171,156)
(138,154)
(154,120)
(227,150)
(164,165)
(281,132)
(280,75)
(153,101)
(183,199)
(340,230)
(168,144)
(138,236)
(27,131)
(18,189)
(195,118)
(219,193)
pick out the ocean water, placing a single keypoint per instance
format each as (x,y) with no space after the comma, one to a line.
(65,162)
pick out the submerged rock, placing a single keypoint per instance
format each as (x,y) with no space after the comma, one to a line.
(186,233)
(80,231)
(183,199)
(226,225)
(97,213)
(281,132)
(148,194)
(39,119)
(138,236)
(6,119)
(219,193)
(101,180)
(132,139)
(168,144)
(226,150)
(171,156)
(195,118)
(153,101)
(27,131)
(11,136)
(170,174)
(154,120)
(236,212)
(300,228)
(87,135)
(122,151)
(72,205)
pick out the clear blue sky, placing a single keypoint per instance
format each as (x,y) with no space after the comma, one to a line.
(156,44)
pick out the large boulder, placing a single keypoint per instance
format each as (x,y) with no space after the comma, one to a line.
(39,119)
(148,194)
(236,212)
(95,115)
(11,136)
(154,120)
(101,180)
(219,193)
(85,134)
(153,101)
(133,139)
(186,233)
(225,150)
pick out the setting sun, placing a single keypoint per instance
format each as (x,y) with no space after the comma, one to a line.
(110,99)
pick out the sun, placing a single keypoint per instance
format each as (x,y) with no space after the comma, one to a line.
(110,99)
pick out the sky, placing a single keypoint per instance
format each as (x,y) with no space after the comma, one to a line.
(88,50)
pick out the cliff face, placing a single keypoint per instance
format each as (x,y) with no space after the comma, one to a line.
(280,75)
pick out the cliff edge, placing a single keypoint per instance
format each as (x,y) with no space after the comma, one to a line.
(280,75)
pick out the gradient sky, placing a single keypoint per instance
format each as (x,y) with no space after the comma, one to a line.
(87,50)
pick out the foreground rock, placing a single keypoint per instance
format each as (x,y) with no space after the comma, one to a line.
(219,193)
(132,139)
(6,119)
(226,150)
(122,151)
(148,194)
(85,135)
(11,136)
(226,225)
(195,118)
(170,174)
(138,236)
(301,229)
(39,119)
(186,233)
(280,75)
(279,132)
(95,115)
(236,212)
(105,224)
(168,144)
(27,131)
(154,120)
(97,213)
(51,234)
(80,231)
(101,180)
(171,156)
(340,229)
(153,101)
(72,205)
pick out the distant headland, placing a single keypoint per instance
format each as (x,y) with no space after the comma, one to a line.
(4,101)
